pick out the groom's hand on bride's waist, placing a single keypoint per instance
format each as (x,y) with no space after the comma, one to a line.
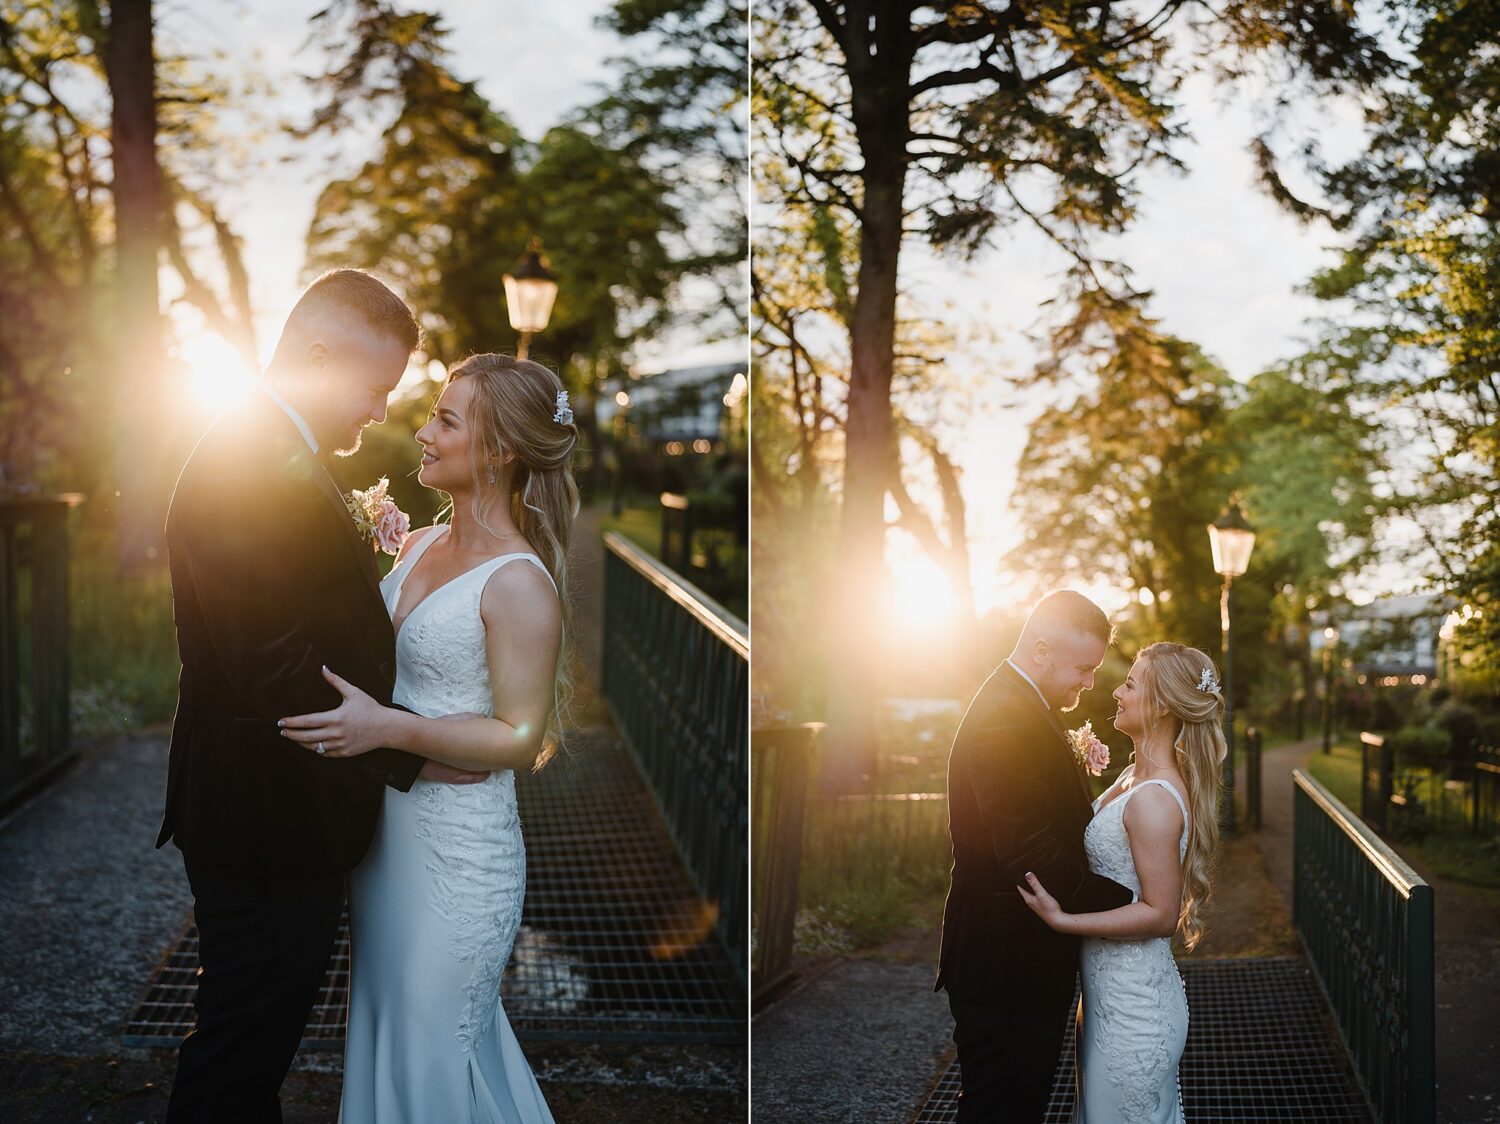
(447,774)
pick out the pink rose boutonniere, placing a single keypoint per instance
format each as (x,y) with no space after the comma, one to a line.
(1092,754)
(377,518)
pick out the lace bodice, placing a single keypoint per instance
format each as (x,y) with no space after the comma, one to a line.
(441,663)
(1107,843)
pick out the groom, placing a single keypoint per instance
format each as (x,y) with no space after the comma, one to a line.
(1018,801)
(271,582)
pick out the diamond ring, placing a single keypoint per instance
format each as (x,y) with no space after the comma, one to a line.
(321,749)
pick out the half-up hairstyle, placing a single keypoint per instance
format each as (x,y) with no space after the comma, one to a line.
(1170,678)
(513,409)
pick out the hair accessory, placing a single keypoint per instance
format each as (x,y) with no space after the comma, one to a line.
(1207,683)
(563,415)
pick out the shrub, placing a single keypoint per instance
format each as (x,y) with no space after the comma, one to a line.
(1461,721)
(1421,745)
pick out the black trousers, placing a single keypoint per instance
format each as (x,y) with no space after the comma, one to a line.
(264,945)
(1007,1060)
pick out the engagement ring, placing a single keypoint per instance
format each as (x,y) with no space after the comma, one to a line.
(320,748)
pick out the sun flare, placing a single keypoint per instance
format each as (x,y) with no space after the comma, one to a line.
(922,595)
(218,375)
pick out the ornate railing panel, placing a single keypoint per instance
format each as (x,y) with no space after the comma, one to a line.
(676,673)
(1365,918)
(34,735)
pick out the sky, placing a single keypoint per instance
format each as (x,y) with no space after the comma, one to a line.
(536,62)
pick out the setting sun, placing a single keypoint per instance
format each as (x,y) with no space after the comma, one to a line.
(218,375)
(922,596)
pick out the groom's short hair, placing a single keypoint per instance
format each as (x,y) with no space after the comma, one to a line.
(1073,609)
(364,295)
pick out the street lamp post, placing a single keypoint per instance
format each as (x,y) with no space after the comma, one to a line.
(621,434)
(1330,642)
(530,290)
(1231,539)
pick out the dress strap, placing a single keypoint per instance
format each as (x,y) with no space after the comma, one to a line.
(1170,787)
(488,568)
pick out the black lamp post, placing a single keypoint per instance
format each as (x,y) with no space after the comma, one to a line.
(1330,642)
(530,290)
(1231,538)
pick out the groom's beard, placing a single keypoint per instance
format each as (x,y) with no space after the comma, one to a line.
(349,449)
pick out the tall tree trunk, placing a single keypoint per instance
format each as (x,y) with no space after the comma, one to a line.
(140,469)
(879,70)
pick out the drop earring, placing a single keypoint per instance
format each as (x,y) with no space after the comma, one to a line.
(489,473)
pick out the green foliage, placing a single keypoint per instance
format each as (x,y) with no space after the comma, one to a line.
(681,101)
(1422,267)
(123,646)
(1462,724)
(1421,745)
(455,193)
(60,359)
(869,869)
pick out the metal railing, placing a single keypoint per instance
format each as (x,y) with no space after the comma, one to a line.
(676,672)
(781,762)
(34,735)
(1365,918)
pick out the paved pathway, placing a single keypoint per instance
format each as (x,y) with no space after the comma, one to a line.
(1275,835)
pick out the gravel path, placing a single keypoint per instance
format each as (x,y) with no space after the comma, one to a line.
(860,1040)
(89,904)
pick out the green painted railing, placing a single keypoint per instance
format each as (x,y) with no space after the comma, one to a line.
(676,674)
(1365,918)
(34,735)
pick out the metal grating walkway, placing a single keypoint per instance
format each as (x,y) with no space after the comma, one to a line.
(1260,1047)
(615,944)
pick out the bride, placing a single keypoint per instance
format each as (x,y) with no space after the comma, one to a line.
(480,608)
(1154,831)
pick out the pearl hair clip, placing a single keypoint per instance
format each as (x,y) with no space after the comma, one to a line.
(1207,683)
(563,415)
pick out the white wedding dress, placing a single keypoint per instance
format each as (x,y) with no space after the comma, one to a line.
(1134,1016)
(435,905)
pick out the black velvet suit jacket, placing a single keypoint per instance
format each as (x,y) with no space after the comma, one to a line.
(1017,800)
(270,581)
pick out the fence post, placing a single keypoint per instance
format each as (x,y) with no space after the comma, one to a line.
(676,532)
(781,763)
(1375,785)
(35,739)
(1252,780)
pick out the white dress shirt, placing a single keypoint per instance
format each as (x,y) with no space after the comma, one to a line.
(1030,680)
(297,419)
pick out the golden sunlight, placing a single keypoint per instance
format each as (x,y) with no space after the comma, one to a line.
(922,596)
(218,375)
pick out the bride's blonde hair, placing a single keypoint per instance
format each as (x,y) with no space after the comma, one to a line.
(516,407)
(1171,675)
